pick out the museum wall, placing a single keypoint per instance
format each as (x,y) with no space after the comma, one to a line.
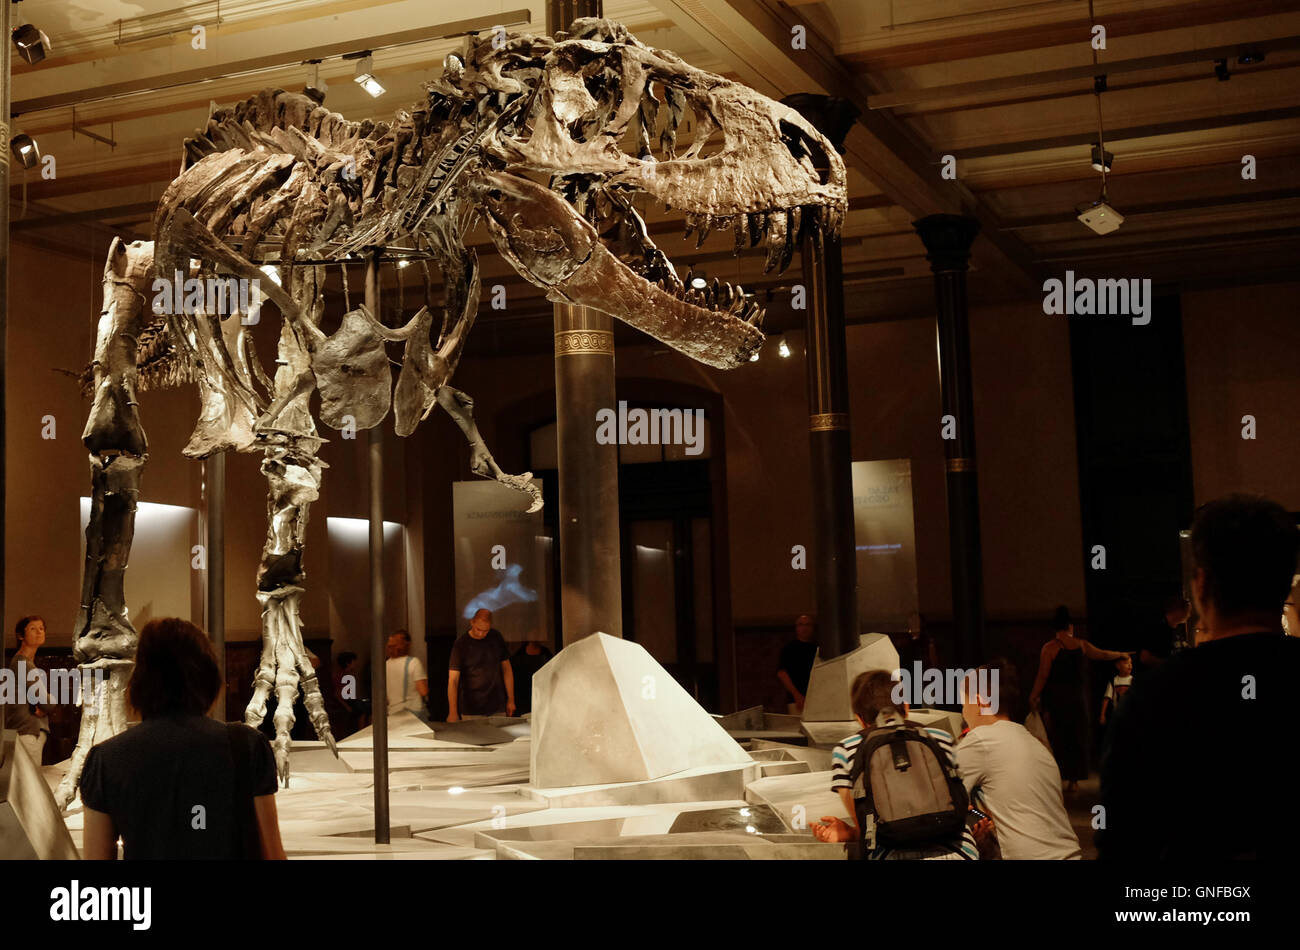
(1244,365)
(55,299)
(1025,437)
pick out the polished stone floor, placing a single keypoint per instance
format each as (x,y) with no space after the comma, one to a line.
(467,797)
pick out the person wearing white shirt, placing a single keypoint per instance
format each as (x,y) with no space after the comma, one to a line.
(1010,775)
(408,682)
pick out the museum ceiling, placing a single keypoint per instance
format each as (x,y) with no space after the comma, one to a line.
(1004,87)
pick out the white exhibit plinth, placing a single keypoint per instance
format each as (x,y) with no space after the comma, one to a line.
(605,712)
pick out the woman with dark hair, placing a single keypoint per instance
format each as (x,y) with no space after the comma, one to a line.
(28,719)
(1059,686)
(180,785)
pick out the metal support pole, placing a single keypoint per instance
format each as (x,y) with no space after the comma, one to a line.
(378,655)
(948,239)
(834,552)
(215,477)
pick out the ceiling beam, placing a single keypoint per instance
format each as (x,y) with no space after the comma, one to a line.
(134,212)
(1149,130)
(258,64)
(981,39)
(104,180)
(755,37)
(977,88)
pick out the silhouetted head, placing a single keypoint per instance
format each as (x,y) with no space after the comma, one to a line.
(175,671)
(1244,550)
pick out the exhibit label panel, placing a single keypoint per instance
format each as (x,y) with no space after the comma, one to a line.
(503,560)
(885,538)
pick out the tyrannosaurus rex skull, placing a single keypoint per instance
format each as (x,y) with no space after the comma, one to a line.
(588,110)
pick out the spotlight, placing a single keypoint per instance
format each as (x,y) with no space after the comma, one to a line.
(32,44)
(315,87)
(754,358)
(25,150)
(699,282)
(783,349)
(365,77)
(1101,159)
(402,264)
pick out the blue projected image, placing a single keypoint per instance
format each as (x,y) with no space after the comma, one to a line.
(508,592)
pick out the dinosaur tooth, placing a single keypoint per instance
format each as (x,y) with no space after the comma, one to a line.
(706,223)
(776,242)
(757,225)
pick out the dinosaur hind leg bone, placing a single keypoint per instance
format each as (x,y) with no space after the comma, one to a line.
(294,483)
(105,641)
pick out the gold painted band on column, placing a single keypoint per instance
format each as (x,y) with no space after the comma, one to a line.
(584,342)
(828,421)
(961,465)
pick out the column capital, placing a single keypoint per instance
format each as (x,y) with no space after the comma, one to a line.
(829,115)
(947,239)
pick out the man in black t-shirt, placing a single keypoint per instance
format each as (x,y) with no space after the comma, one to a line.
(797,658)
(480,681)
(1195,766)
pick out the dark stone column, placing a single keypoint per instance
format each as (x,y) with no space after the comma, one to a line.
(591,592)
(591,581)
(948,239)
(834,560)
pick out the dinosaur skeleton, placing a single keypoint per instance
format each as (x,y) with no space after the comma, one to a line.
(546,140)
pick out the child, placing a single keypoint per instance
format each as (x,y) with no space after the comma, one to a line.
(1118,685)
(873,702)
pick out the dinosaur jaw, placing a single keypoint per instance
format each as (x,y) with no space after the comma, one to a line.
(555,248)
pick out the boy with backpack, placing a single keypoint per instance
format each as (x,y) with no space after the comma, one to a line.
(900,782)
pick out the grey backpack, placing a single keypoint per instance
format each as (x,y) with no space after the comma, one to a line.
(902,781)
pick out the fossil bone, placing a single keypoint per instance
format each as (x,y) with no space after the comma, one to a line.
(278,178)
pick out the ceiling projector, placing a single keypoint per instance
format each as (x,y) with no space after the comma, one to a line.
(1101,217)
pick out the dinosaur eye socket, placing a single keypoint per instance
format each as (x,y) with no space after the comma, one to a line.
(806,150)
